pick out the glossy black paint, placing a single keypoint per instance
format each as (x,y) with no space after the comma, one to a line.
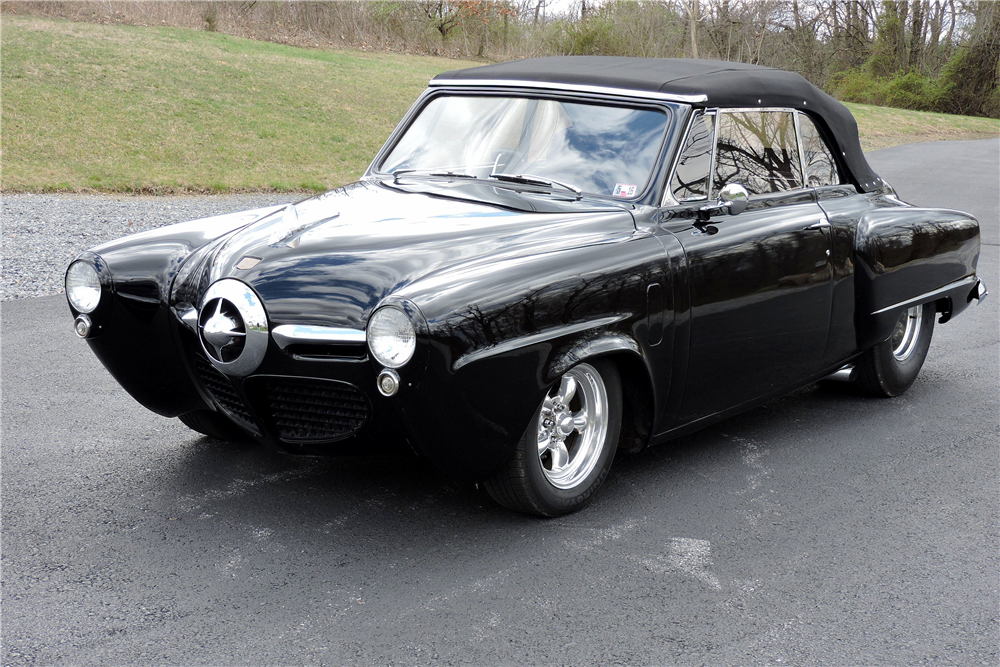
(509,286)
(904,253)
(760,287)
(504,331)
(133,328)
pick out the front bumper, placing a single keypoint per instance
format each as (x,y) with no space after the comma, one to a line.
(300,405)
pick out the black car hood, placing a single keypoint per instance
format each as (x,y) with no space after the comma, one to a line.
(329,260)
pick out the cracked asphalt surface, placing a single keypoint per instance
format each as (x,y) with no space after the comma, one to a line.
(823,529)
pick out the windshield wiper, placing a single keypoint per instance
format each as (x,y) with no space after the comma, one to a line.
(529,179)
(428,172)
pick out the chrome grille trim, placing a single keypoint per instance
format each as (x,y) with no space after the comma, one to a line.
(293,334)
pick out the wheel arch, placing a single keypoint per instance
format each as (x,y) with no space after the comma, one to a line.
(638,393)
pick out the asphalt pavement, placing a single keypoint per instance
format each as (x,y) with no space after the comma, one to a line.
(822,529)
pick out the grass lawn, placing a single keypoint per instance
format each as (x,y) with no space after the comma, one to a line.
(882,127)
(89,107)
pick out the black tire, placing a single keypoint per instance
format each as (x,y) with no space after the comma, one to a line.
(531,481)
(889,368)
(214,425)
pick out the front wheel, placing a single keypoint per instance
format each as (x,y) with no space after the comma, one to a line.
(567,449)
(889,368)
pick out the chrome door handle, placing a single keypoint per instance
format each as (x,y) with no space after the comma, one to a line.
(822,224)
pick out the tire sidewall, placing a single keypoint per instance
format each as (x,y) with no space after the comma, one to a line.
(896,376)
(554,501)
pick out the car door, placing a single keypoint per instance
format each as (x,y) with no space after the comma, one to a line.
(759,283)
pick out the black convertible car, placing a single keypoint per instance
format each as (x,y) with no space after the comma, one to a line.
(548,261)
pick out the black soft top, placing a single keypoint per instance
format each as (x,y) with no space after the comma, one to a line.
(703,83)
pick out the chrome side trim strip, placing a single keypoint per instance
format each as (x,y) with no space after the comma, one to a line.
(534,339)
(580,88)
(291,334)
(929,296)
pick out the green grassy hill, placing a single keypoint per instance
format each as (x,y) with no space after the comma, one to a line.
(130,109)
(89,107)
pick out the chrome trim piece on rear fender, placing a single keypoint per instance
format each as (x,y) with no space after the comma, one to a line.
(979,292)
(929,296)
(292,334)
(572,87)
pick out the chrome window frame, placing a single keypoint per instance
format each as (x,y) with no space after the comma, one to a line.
(573,87)
(540,90)
(802,150)
(668,195)
(802,153)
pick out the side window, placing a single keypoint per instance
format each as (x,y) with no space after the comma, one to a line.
(758,150)
(690,180)
(820,167)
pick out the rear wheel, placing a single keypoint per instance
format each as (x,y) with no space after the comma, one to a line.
(889,368)
(213,425)
(567,449)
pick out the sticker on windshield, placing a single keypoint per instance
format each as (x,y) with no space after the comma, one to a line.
(624,190)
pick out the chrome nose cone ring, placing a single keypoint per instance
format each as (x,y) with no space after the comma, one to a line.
(232,327)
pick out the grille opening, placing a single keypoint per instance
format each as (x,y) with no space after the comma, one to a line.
(221,389)
(325,351)
(313,410)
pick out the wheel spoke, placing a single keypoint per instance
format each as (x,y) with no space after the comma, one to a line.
(567,389)
(572,427)
(560,455)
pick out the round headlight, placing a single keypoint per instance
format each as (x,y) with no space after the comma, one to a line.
(391,337)
(83,286)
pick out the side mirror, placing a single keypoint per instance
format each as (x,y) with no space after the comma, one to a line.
(735,198)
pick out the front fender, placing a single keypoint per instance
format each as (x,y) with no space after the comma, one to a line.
(134,332)
(500,337)
(908,256)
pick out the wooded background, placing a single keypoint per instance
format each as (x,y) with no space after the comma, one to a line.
(929,55)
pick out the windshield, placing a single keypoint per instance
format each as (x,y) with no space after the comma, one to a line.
(600,149)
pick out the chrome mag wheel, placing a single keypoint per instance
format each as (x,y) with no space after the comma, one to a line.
(907,332)
(568,446)
(572,427)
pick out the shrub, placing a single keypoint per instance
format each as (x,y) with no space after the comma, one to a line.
(906,90)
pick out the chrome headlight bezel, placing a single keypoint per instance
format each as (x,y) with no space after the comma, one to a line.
(83,286)
(391,337)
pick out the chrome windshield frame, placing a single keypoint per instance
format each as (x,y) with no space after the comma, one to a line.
(672,105)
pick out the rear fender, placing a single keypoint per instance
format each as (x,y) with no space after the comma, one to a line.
(910,256)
